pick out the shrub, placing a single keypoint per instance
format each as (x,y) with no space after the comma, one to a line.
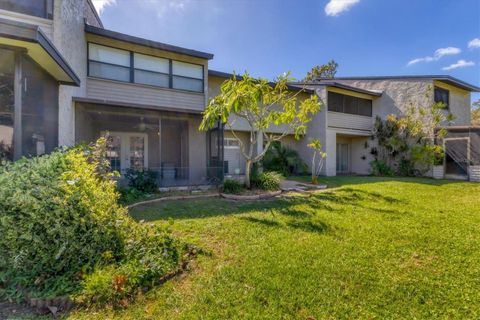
(150,253)
(232,186)
(283,160)
(142,180)
(60,220)
(406,168)
(381,168)
(269,181)
(130,195)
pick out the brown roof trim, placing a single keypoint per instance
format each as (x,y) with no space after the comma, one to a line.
(145,42)
(226,75)
(133,105)
(345,87)
(444,78)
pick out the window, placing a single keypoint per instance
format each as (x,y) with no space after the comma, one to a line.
(441,95)
(108,63)
(187,76)
(231,143)
(37,8)
(348,104)
(151,70)
(122,65)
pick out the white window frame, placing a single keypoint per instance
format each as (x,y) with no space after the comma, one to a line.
(226,145)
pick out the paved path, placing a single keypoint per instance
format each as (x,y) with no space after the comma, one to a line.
(290,185)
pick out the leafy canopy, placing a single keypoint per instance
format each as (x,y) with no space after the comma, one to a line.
(262,104)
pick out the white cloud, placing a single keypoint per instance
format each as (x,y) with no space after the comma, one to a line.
(101,4)
(335,7)
(475,43)
(446,52)
(165,8)
(438,54)
(459,64)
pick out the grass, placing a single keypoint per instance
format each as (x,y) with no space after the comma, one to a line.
(374,248)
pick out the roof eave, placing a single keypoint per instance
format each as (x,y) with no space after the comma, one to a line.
(227,75)
(27,33)
(145,42)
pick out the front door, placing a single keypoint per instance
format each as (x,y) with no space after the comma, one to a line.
(127,150)
(343,157)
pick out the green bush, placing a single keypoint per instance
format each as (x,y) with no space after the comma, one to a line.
(129,195)
(150,253)
(60,219)
(232,186)
(406,168)
(142,180)
(283,159)
(381,168)
(269,181)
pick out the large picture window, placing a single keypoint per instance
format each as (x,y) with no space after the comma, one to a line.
(122,65)
(37,8)
(347,104)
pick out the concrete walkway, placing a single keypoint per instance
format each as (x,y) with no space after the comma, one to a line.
(290,185)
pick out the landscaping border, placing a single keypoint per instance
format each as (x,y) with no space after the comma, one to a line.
(262,196)
(200,196)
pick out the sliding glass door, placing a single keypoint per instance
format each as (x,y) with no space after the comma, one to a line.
(343,157)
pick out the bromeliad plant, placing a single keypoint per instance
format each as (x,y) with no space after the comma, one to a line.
(318,158)
(262,104)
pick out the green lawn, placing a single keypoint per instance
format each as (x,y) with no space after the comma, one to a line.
(374,248)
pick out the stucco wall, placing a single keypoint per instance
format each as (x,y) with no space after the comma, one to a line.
(69,38)
(399,94)
(317,129)
(91,16)
(459,104)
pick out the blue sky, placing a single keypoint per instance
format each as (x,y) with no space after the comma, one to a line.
(269,37)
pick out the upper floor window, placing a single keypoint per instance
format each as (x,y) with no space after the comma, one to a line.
(187,76)
(108,63)
(122,65)
(348,104)
(151,70)
(37,8)
(441,95)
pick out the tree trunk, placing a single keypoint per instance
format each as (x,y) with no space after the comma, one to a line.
(248,168)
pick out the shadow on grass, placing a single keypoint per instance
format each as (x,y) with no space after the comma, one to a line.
(339,181)
(301,207)
(304,225)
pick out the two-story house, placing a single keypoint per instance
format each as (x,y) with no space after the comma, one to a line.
(65,79)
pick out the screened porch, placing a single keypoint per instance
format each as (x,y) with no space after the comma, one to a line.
(168,143)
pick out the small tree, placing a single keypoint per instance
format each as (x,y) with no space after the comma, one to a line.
(261,104)
(317,159)
(328,70)
(476,113)
(415,134)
